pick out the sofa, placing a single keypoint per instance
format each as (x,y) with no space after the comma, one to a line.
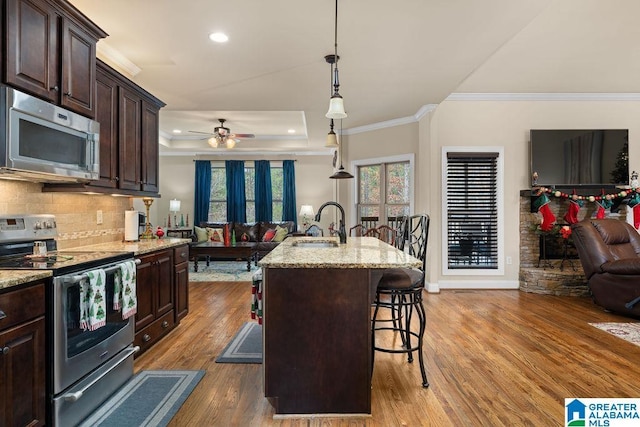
(609,251)
(251,232)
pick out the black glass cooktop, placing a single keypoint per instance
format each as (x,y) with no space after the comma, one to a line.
(62,260)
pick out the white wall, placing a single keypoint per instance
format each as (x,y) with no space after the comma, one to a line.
(507,123)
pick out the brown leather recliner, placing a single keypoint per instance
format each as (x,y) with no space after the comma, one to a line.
(609,251)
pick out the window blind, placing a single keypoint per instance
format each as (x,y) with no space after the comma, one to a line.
(472,211)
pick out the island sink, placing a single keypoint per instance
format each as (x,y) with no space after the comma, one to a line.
(315,244)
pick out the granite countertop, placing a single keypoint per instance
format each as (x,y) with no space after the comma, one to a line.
(138,248)
(358,252)
(10,278)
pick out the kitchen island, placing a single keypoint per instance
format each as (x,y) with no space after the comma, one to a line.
(317,297)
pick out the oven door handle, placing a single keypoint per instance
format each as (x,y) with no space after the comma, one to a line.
(74,397)
(70,280)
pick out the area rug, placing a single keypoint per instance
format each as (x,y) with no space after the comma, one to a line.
(627,331)
(150,398)
(245,346)
(222,271)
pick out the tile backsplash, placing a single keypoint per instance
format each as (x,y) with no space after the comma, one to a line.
(76,214)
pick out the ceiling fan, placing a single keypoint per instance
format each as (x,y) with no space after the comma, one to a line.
(223,135)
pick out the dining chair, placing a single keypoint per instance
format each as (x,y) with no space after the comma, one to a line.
(357,230)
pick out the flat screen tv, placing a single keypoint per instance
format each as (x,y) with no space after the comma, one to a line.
(580,157)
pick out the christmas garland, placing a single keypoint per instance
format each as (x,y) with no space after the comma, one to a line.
(630,197)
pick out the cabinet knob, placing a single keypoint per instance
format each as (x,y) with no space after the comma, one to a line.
(2,315)
(55,88)
(5,350)
(146,337)
(68,93)
(165,324)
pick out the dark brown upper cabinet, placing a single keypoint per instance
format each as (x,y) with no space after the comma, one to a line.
(51,53)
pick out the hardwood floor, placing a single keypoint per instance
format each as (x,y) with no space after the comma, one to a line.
(493,358)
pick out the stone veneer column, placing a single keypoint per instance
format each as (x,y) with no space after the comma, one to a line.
(547,280)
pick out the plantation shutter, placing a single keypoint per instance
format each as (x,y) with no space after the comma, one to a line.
(472,210)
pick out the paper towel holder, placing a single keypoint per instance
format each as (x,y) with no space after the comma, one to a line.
(132,219)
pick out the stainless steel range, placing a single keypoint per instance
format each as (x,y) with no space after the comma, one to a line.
(85,365)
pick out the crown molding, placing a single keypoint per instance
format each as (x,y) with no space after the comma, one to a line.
(583,96)
(239,154)
(425,109)
(117,60)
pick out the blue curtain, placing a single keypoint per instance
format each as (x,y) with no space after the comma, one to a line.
(264,205)
(289,192)
(236,199)
(202,192)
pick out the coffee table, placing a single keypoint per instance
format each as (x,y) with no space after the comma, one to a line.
(217,250)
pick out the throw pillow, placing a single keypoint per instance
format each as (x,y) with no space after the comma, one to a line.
(269,235)
(215,234)
(281,233)
(201,234)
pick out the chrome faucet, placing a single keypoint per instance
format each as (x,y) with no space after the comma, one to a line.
(342,232)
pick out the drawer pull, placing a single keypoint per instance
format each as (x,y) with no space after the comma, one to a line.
(165,324)
(146,337)
(5,350)
(2,315)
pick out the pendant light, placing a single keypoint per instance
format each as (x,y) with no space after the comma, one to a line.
(332,139)
(336,104)
(341,173)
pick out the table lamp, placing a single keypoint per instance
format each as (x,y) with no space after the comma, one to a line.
(307,213)
(174,206)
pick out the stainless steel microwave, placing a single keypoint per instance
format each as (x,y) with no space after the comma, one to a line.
(45,143)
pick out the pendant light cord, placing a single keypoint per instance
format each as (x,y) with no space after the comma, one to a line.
(336,83)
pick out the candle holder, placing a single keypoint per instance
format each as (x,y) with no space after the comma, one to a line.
(148,233)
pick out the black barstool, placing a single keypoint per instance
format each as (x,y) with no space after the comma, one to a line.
(400,290)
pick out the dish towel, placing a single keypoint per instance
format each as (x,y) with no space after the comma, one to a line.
(256,297)
(124,295)
(93,304)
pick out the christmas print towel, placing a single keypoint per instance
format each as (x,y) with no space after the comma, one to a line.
(93,305)
(125,289)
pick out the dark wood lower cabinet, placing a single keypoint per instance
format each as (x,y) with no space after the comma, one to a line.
(181,277)
(162,294)
(22,357)
(317,340)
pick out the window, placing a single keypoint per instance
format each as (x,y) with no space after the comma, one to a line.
(384,189)
(472,195)
(218,201)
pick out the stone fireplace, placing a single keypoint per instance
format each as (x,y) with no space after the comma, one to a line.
(552,275)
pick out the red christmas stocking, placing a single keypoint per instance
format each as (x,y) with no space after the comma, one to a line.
(542,205)
(600,211)
(572,213)
(634,203)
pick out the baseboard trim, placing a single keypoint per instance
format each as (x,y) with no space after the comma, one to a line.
(472,284)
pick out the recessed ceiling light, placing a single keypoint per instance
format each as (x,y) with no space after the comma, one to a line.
(177,131)
(291,131)
(218,37)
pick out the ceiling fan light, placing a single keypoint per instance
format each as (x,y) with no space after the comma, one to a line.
(336,108)
(231,143)
(332,140)
(213,142)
